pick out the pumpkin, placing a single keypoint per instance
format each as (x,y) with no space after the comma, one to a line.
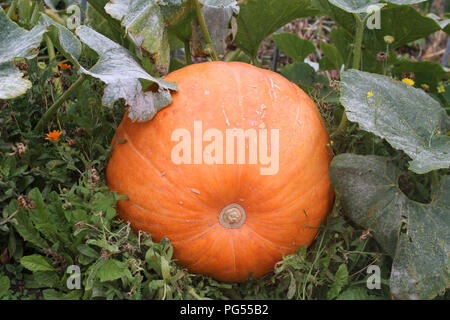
(231,206)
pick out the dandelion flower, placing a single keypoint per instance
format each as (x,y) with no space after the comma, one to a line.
(54,135)
(408,81)
(369,94)
(441,89)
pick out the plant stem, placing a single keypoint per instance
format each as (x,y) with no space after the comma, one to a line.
(356,65)
(358,41)
(318,253)
(10,217)
(201,21)
(341,127)
(52,57)
(434,178)
(187,52)
(233,56)
(54,108)
(12,8)
(35,15)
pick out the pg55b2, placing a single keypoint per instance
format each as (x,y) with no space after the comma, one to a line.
(250,309)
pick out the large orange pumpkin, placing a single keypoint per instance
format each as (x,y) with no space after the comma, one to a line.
(236,216)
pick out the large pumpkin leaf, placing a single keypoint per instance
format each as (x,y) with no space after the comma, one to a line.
(259,18)
(300,73)
(11,82)
(404,23)
(102,22)
(340,16)
(414,234)
(362,6)
(63,39)
(356,6)
(425,72)
(408,118)
(332,59)
(144,23)
(294,46)
(120,70)
(16,42)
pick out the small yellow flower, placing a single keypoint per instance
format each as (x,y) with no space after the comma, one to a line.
(54,135)
(64,65)
(425,86)
(369,94)
(408,81)
(441,89)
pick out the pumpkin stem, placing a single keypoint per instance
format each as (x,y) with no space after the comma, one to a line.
(232,216)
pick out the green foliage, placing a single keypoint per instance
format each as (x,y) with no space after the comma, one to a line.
(408,118)
(367,187)
(294,46)
(259,18)
(57,212)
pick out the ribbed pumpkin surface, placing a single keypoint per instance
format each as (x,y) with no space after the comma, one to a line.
(185,202)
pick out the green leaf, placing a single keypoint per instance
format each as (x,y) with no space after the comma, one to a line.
(16,42)
(28,231)
(144,23)
(92,273)
(340,280)
(362,6)
(100,21)
(414,234)
(294,46)
(356,6)
(4,285)
(11,82)
(404,23)
(301,73)
(357,294)
(88,251)
(341,17)
(343,42)
(406,117)
(259,18)
(63,39)
(420,269)
(425,72)
(24,7)
(113,269)
(332,59)
(42,279)
(36,262)
(52,294)
(119,69)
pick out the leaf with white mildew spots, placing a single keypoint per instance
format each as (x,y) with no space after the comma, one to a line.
(414,234)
